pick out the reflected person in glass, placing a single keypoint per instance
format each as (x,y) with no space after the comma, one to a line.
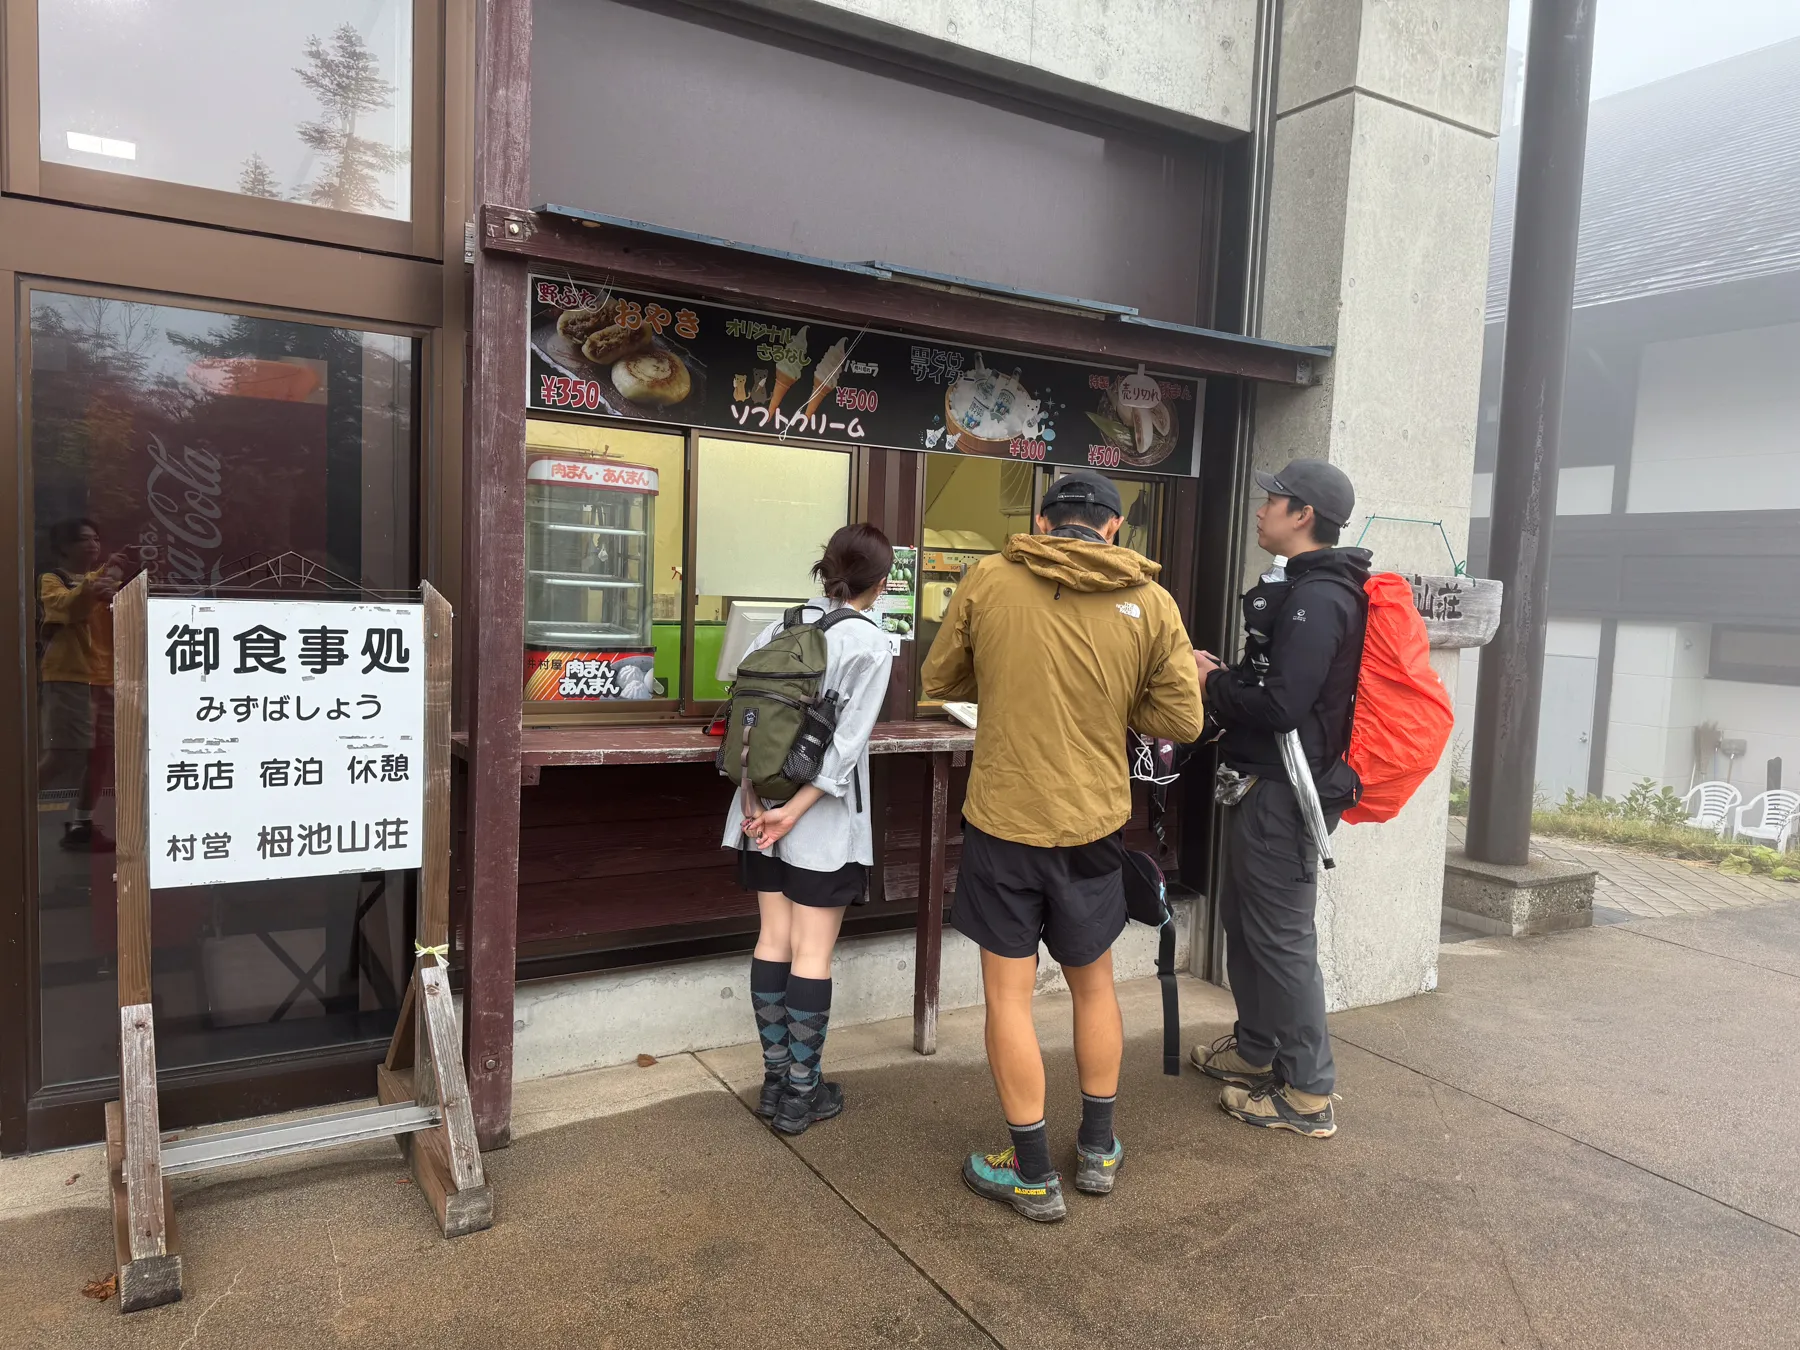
(76,675)
(808,858)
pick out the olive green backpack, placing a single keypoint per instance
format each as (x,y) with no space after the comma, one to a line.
(779,720)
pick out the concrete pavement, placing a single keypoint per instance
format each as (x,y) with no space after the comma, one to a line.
(1566,1145)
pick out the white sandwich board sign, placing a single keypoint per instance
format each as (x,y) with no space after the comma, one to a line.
(286,739)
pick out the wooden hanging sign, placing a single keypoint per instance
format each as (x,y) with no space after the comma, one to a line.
(1459,611)
(264,739)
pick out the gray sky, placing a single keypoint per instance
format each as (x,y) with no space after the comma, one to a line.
(1638,41)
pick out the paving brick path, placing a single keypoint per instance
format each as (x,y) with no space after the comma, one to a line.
(1649,887)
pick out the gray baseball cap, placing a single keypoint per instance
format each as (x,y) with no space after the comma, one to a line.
(1312,482)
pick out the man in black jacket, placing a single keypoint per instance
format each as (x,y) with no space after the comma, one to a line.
(1302,652)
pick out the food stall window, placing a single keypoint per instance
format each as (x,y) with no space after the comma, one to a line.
(973,504)
(604,514)
(764,513)
(1142,530)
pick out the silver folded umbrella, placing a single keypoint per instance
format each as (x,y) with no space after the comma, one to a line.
(1300,775)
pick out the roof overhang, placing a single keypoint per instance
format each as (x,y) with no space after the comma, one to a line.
(617,251)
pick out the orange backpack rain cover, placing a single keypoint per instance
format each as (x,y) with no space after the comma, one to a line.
(1403,713)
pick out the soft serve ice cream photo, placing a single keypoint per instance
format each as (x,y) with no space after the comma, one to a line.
(826,374)
(787,370)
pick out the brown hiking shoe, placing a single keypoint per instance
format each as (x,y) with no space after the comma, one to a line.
(1275,1106)
(1222,1061)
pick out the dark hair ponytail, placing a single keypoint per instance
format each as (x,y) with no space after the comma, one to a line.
(857,557)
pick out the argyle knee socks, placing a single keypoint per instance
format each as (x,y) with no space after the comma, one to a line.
(808,1014)
(768,995)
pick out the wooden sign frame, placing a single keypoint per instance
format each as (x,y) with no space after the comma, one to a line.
(422,1085)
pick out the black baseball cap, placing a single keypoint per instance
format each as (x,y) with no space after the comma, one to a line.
(1312,482)
(1083,485)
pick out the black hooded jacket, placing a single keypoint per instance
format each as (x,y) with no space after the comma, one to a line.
(1313,626)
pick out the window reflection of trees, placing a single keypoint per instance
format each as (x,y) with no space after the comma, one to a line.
(106,369)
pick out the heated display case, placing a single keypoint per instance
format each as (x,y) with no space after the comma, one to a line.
(590,529)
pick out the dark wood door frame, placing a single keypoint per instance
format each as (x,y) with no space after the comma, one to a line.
(302,266)
(494,569)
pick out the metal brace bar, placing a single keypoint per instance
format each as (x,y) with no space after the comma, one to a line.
(205,1152)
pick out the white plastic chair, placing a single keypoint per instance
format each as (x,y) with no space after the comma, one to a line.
(1717,802)
(1778,819)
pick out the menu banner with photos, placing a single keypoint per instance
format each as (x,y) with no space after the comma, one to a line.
(599,351)
(286,739)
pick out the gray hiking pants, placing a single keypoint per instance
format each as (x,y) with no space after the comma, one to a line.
(1271,946)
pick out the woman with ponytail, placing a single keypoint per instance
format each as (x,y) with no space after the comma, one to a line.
(808,858)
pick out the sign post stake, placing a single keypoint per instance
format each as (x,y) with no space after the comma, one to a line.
(149,1267)
(423,1087)
(424,1060)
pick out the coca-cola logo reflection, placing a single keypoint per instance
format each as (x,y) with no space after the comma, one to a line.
(183,491)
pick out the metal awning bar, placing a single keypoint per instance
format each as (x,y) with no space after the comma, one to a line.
(1318,353)
(230,1147)
(1004,292)
(620,222)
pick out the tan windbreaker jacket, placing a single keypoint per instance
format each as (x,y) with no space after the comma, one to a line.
(1064,643)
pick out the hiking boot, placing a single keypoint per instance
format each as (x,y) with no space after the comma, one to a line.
(82,837)
(798,1110)
(774,1085)
(1222,1061)
(1275,1106)
(996,1176)
(1094,1172)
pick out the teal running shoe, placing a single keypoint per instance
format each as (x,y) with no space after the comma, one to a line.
(996,1176)
(1094,1172)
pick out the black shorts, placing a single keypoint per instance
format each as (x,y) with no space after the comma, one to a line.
(820,890)
(1009,897)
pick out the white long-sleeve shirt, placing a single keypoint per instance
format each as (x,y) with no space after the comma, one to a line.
(836,829)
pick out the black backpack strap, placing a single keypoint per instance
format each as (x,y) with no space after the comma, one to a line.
(1171,998)
(1339,744)
(839,615)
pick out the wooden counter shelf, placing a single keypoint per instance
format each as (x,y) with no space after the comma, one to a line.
(687,743)
(945,743)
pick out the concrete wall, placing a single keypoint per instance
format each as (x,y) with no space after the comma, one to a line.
(1660,693)
(590,1021)
(1766,717)
(1658,671)
(1381,200)
(1177,61)
(1718,424)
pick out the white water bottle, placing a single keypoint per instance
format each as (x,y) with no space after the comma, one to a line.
(1277,570)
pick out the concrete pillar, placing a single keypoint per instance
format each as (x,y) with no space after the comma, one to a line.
(1382,194)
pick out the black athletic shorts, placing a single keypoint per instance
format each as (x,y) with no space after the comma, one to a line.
(821,890)
(1009,897)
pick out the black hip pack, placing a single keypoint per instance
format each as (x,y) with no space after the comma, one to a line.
(1147,902)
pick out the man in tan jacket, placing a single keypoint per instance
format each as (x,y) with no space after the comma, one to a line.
(1065,641)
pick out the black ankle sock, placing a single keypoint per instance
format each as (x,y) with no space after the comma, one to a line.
(808,1016)
(1096,1123)
(768,996)
(1032,1145)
